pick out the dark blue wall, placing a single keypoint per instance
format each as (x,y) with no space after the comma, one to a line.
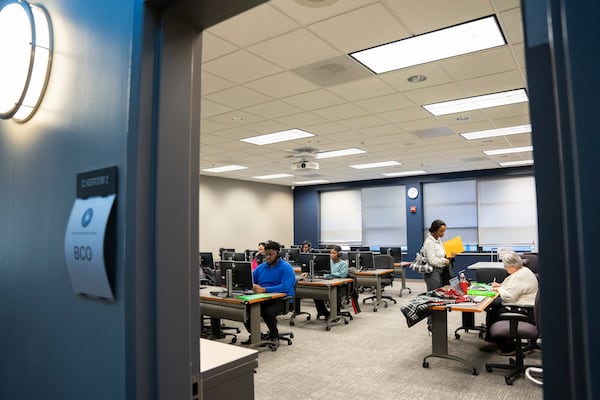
(306,203)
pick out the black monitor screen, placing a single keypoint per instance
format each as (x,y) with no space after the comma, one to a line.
(241,274)
(230,255)
(395,252)
(365,259)
(291,255)
(304,261)
(223,250)
(360,248)
(206,260)
(322,265)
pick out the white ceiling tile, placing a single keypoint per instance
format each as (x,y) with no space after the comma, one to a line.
(264,127)
(302,120)
(341,111)
(434,94)
(421,16)
(503,5)
(238,97)
(236,118)
(362,89)
(481,63)
(282,85)
(385,103)
(508,111)
(212,83)
(405,114)
(209,108)
(273,109)
(213,46)
(294,49)
(209,126)
(240,66)
(365,121)
(492,83)
(307,15)
(315,99)
(262,22)
(512,25)
(360,28)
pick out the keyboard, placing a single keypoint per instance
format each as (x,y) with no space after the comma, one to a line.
(243,292)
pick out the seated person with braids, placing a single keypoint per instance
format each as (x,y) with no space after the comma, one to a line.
(339,269)
(273,275)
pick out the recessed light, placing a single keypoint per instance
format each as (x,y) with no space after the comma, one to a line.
(339,153)
(465,118)
(508,150)
(316,3)
(460,39)
(237,118)
(512,130)
(416,78)
(515,163)
(405,173)
(477,102)
(225,168)
(274,176)
(315,182)
(276,137)
(375,165)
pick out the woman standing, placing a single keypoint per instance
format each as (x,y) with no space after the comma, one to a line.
(434,250)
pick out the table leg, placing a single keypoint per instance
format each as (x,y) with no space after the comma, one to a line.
(254,317)
(439,341)
(403,278)
(333,315)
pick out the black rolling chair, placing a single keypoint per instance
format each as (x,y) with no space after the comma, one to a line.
(273,345)
(521,323)
(383,261)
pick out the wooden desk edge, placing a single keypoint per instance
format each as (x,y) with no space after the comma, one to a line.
(326,282)
(235,300)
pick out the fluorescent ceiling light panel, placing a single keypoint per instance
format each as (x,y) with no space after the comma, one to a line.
(512,130)
(376,165)
(405,173)
(317,181)
(225,168)
(276,137)
(508,151)
(477,102)
(274,176)
(515,163)
(339,153)
(448,42)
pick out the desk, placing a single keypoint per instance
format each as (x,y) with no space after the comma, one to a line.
(372,277)
(322,289)
(226,371)
(235,309)
(439,331)
(486,264)
(401,267)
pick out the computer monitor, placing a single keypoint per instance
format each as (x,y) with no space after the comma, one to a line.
(241,274)
(304,261)
(223,250)
(233,256)
(322,265)
(205,259)
(361,259)
(395,252)
(291,254)
(360,248)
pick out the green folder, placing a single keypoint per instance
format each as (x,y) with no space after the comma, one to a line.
(248,297)
(480,289)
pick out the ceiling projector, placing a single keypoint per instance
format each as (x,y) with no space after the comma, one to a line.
(305,165)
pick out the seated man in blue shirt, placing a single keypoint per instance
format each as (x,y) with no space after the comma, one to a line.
(339,269)
(272,276)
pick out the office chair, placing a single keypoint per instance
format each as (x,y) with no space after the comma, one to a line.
(530,260)
(518,324)
(287,337)
(383,261)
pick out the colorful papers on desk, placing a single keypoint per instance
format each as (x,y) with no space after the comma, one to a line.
(454,245)
(248,297)
(480,289)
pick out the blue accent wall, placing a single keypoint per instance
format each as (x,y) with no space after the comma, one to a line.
(306,203)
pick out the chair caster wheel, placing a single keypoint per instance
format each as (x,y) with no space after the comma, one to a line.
(374,310)
(480,335)
(385,305)
(488,369)
(292,323)
(425,364)
(308,318)
(291,336)
(328,328)
(474,371)
(457,336)
(233,340)
(345,322)
(508,381)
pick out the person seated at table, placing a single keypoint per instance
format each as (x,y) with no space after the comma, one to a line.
(519,287)
(275,275)
(339,269)
(306,246)
(259,256)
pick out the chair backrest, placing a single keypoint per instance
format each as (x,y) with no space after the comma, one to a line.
(532,262)
(538,312)
(487,275)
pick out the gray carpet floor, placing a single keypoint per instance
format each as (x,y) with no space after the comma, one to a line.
(377,356)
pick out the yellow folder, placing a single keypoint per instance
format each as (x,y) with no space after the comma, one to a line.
(454,245)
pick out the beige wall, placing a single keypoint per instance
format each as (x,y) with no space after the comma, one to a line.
(240,214)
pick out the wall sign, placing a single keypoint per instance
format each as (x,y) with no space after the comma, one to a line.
(90,236)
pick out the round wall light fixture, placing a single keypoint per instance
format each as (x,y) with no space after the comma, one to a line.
(26,53)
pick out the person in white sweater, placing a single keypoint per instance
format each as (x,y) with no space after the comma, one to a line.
(519,287)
